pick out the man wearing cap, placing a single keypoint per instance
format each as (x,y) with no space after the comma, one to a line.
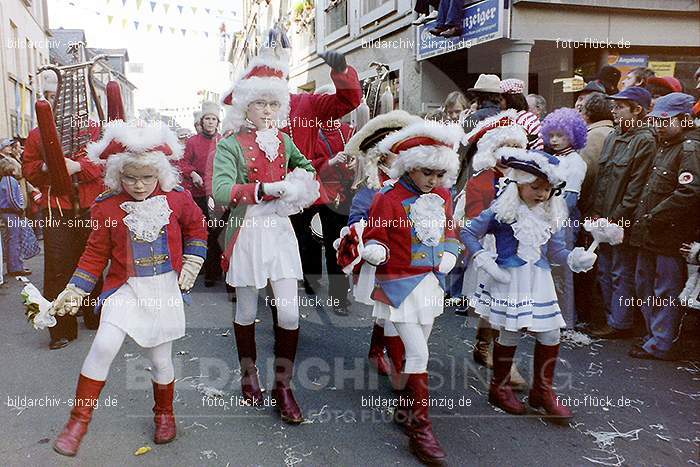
(197,167)
(666,217)
(487,90)
(64,239)
(623,165)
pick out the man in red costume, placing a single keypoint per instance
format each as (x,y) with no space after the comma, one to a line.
(65,231)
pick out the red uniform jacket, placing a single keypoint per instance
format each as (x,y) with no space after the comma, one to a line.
(199,155)
(408,259)
(480,192)
(308,111)
(89,178)
(335,180)
(111,239)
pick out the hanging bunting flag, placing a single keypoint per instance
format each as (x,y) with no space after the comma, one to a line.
(153,6)
(184,31)
(221,12)
(107,2)
(194,10)
(138,4)
(172,30)
(165,7)
(124,23)
(136,25)
(149,27)
(109,19)
(206,34)
(123,2)
(207,10)
(179,7)
(160,29)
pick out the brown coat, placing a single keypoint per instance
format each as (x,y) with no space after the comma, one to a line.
(597,132)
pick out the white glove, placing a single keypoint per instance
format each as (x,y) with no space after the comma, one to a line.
(484,261)
(68,301)
(191,265)
(275,188)
(374,254)
(447,262)
(196,179)
(580,260)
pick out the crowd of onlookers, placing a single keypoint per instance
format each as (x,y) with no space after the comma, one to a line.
(631,151)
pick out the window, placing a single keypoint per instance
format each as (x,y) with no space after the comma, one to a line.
(336,19)
(13,56)
(372,10)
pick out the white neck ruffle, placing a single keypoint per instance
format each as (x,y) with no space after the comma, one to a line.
(427,213)
(269,142)
(145,218)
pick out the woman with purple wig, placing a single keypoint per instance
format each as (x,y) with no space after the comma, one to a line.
(564,132)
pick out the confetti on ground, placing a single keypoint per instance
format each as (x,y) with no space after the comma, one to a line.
(606,439)
(208,391)
(615,460)
(129,357)
(183,352)
(209,454)
(575,339)
(196,424)
(291,456)
(694,396)
(226,334)
(142,450)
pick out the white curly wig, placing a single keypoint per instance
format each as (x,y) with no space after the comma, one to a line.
(248,90)
(426,156)
(168,175)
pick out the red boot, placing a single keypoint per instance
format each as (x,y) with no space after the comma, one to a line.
(422,443)
(247,356)
(376,351)
(397,353)
(164,417)
(500,393)
(86,395)
(542,395)
(285,352)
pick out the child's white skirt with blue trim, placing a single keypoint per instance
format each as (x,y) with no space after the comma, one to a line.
(528,301)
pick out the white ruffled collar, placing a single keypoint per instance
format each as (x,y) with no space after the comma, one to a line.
(427,213)
(269,142)
(531,227)
(145,218)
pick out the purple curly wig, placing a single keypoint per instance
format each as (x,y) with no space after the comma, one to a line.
(567,121)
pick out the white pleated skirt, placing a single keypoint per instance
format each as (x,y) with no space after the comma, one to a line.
(148,309)
(421,306)
(266,249)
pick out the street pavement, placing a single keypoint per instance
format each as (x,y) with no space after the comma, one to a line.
(628,412)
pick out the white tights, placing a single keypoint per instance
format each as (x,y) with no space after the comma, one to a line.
(107,343)
(511,338)
(286,301)
(415,341)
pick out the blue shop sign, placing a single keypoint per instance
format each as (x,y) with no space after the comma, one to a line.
(483,21)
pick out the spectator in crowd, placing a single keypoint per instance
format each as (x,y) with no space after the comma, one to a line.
(624,163)
(537,105)
(422,7)
(487,92)
(609,77)
(11,209)
(597,113)
(659,87)
(512,90)
(449,20)
(637,76)
(454,106)
(696,107)
(590,88)
(564,133)
(665,219)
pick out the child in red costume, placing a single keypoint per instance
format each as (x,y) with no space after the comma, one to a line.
(412,241)
(155,237)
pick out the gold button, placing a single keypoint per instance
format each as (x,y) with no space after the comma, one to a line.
(250,148)
(282,165)
(252,159)
(423,255)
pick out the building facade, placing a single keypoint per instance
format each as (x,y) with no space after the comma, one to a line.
(25,38)
(539,41)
